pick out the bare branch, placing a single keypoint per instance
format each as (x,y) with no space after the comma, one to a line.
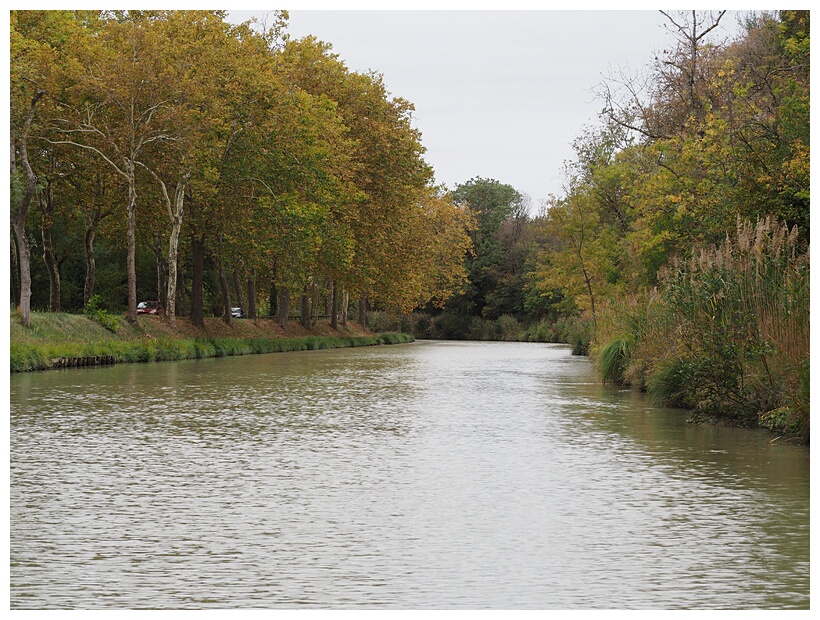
(272,193)
(89,148)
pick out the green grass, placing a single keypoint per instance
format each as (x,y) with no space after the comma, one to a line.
(55,337)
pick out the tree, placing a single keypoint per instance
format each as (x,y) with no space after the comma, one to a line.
(19,144)
(491,204)
(581,263)
(675,97)
(387,159)
(35,41)
(116,107)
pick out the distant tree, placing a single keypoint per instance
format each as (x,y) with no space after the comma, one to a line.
(491,204)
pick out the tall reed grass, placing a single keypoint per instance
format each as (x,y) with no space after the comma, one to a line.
(726,333)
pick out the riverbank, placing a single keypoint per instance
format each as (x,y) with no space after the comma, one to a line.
(59,340)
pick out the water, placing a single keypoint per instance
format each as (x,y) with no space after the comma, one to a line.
(430,475)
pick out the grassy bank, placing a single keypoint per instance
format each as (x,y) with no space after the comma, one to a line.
(57,339)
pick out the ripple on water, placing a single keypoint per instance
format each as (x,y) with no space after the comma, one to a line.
(436,475)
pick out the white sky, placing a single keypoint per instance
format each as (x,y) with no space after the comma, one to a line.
(498,94)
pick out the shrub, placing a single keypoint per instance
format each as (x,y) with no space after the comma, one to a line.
(101,316)
(613,358)
(667,385)
(396,338)
(509,328)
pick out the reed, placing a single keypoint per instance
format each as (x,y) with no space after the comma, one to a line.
(726,333)
(613,358)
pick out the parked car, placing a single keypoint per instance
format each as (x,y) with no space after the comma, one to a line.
(149,307)
(237,313)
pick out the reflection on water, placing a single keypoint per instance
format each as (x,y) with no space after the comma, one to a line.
(431,475)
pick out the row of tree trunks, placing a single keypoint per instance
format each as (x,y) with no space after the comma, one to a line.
(280,296)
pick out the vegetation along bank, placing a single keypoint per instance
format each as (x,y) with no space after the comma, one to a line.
(59,340)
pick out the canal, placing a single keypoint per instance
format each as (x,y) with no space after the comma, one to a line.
(445,475)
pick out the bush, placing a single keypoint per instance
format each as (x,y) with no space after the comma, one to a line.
(396,338)
(101,316)
(509,329)
(667,385)
(613,358)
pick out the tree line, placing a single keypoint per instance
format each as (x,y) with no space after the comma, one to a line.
(176,155)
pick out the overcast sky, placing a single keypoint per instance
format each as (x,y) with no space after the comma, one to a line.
(498,94)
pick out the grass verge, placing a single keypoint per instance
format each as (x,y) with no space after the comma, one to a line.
(59,340)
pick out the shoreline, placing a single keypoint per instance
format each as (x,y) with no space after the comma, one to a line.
(62,340)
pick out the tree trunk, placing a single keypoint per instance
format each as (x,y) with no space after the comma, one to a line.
(15,273)
(24,251)
(284,307)
(273,295)
(90,264)
(131,245)
(20,213)
(197,277)
(345,305)
(175,212)
(588,281)
(51,266)
(304,313)
(162,273)
(225,291)
(363,311)
(181,310)
(251,286)
(314,305)
(46,217)
(237,285)
(273,300)
(328,298)
(334,305)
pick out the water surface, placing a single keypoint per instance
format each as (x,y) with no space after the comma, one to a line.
(431,475)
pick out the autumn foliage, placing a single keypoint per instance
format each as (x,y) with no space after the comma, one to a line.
(208,165)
